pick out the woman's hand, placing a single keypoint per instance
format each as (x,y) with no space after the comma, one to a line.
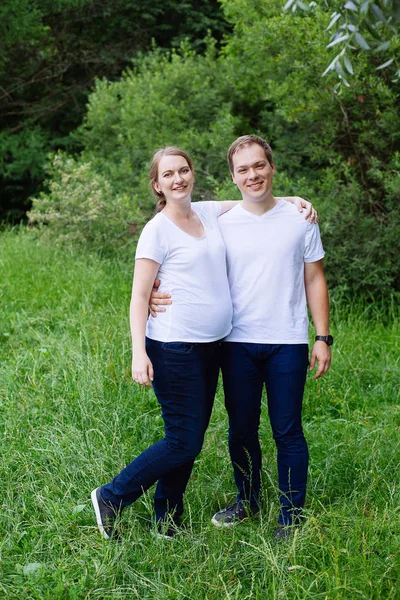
(309,210)
(142,370)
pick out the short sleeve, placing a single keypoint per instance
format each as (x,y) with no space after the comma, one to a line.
(313,249)
(208,208)
(152,243)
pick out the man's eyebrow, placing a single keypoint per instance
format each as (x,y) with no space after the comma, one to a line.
(257,162)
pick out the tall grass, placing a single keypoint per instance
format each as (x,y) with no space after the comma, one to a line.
(70,418)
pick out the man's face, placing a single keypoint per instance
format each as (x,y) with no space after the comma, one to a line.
(252,172)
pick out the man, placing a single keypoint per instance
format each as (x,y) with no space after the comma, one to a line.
(274,261)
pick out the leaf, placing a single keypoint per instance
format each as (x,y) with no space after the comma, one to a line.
(386,64)
(32,568)
(331,66)
(378,13)
(365,6)
(348,65)
(383,46)
(78,509)
(302,5)
(361,41)
(351,6)
(341,38)
(335,18)
(288,4)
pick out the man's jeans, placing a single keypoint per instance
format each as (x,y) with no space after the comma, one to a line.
(282,367)
(185,380)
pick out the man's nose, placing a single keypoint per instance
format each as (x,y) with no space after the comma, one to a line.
(252,173)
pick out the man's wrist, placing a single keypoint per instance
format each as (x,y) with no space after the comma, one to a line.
(328,339)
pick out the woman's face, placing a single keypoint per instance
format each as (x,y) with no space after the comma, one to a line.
(175,178)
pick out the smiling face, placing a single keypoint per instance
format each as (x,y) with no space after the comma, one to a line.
(175,178)
(253,173)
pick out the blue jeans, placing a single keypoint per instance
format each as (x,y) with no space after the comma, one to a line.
(185,381)
(282,368)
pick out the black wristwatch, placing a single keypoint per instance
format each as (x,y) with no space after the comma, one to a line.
(328,339)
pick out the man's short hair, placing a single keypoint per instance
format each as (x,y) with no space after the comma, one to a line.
(248,140)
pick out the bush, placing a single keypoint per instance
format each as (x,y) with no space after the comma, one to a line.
(81,207)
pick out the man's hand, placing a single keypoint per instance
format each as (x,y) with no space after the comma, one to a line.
(142,370)
(321,354)
(158,299)
(306,207)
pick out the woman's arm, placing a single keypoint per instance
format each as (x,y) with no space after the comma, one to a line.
(143,279)
(300,203)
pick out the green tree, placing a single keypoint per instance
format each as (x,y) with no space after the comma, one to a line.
(50,55)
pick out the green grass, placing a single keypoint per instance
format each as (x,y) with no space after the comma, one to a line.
(70,418)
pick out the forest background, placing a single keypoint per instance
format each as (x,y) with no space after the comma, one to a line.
(88,90)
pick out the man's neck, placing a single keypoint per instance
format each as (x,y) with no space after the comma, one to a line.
(261,206)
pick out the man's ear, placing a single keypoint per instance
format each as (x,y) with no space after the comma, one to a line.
(233,178)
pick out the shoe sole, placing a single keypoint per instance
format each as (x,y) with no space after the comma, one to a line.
(96,507)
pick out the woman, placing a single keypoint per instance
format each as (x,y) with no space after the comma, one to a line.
(177,353)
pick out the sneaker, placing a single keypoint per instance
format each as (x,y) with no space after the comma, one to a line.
(105,516)
(233,515)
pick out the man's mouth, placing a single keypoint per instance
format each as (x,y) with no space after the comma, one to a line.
(256,185)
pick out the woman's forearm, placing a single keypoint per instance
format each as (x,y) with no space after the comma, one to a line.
(138,319)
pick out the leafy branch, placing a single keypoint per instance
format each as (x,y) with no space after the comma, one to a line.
(366,25)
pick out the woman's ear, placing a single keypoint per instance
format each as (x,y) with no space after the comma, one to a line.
(156,187)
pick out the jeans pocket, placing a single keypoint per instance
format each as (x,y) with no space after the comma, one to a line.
(178,347)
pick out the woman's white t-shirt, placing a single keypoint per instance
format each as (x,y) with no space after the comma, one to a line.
(193,271)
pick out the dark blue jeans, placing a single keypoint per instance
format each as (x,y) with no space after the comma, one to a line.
(185,380)
(282,368)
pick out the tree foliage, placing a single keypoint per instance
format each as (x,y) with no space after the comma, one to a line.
(50,55)
(339,147)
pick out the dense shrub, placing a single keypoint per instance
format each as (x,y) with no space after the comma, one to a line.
(338,146)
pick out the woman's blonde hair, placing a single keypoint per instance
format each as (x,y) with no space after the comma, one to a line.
(153,171)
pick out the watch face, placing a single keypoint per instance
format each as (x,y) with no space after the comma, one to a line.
(329,340)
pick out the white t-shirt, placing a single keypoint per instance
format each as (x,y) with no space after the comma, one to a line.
(265,257)
(193,271)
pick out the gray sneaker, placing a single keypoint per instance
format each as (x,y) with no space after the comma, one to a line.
(106,515)
(233,514)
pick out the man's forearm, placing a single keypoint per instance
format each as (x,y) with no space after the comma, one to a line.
(317,297)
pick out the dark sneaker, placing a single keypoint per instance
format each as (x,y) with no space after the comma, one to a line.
(105,516)
(233,515)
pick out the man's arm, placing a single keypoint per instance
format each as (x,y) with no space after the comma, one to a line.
(318,302)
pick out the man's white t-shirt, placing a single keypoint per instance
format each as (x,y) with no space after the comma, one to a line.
(193,271)
(265,258)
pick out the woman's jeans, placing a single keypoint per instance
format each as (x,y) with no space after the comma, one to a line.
(282,368)
(185,380)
